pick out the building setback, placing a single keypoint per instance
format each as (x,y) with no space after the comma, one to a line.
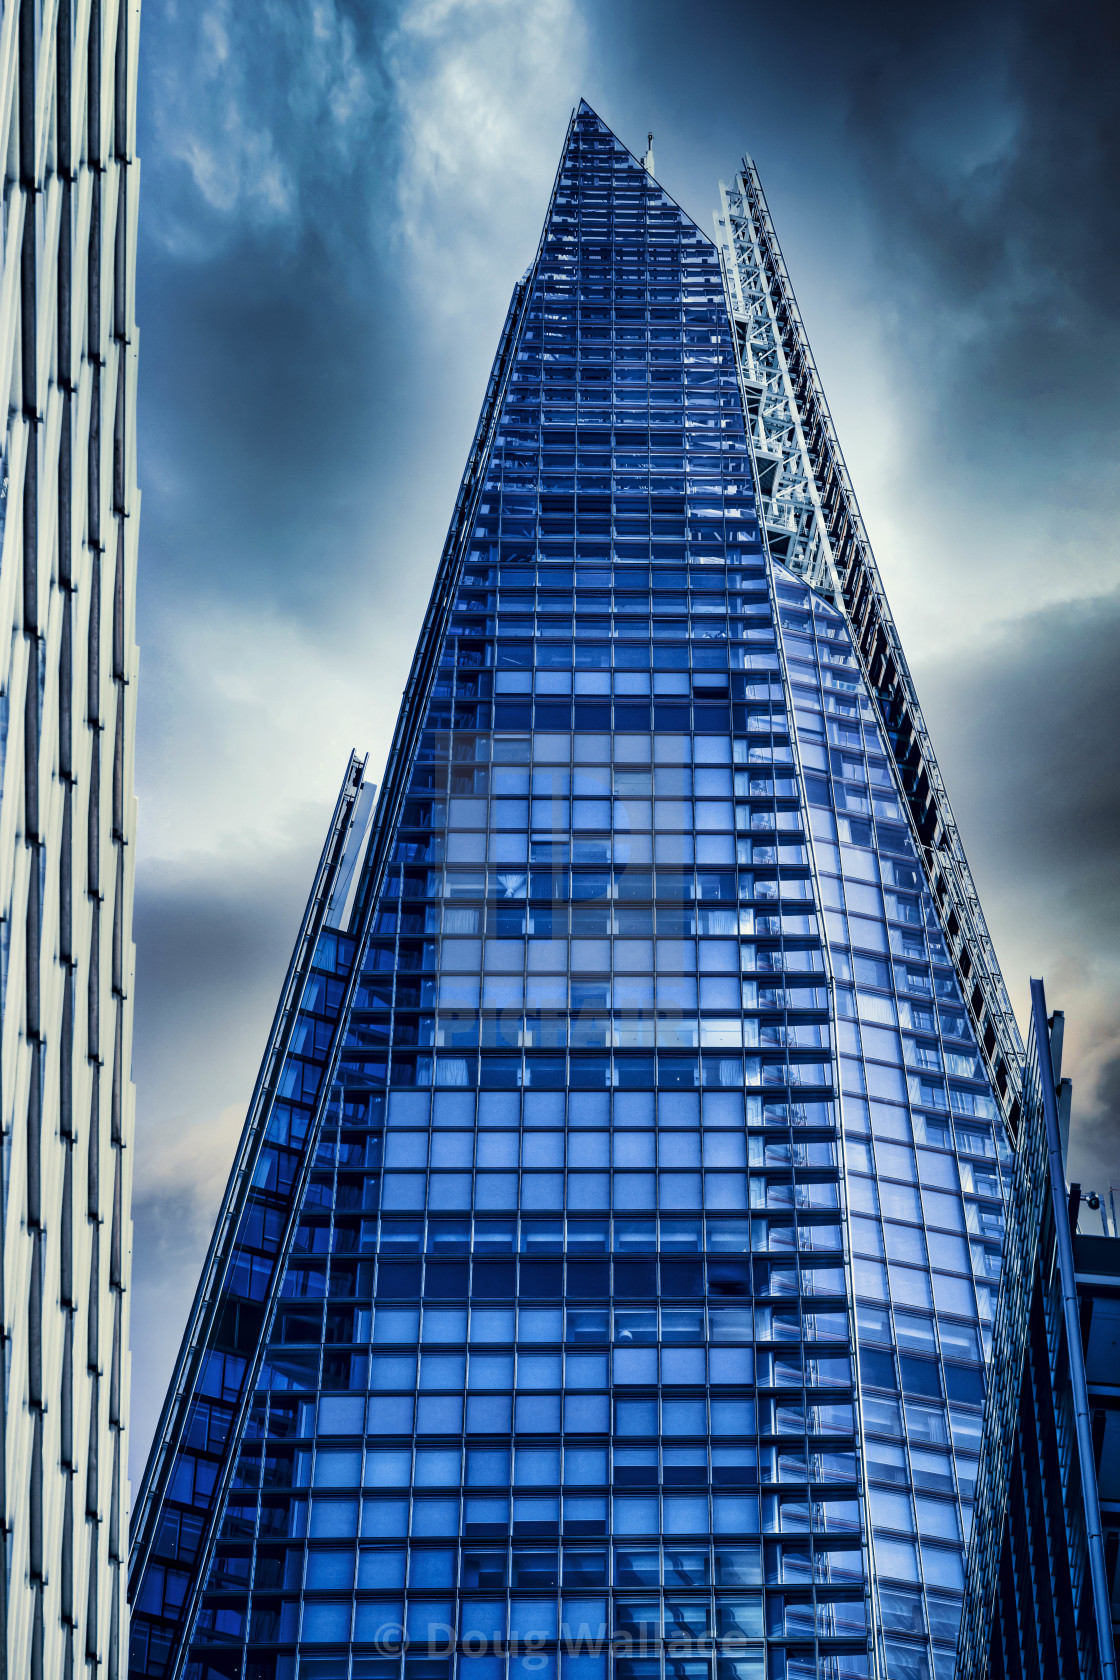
(607,1273)
(68,518)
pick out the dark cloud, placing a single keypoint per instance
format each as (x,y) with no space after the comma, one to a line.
(1025,727)
(1030,722)
(271,420)
(995,178)
(999,166)
(212,945)
(213,940)
(263,119)
(302,431)
(1097,1155)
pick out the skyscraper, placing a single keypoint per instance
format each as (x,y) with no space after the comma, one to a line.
(68,528)
(608,1265)
(1043,1563)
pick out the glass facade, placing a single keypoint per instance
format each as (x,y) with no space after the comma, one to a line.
(69,667)
(611,1286)
(923,1146)
(1040,1590)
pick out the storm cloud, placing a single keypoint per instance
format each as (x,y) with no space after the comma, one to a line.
(1029,731)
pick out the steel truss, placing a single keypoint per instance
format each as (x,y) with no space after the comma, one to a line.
(789,502)
(815,528)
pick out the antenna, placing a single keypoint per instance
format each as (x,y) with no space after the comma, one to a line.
(647,161)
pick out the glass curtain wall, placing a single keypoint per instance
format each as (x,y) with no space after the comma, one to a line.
(923,1145)
(562,1376)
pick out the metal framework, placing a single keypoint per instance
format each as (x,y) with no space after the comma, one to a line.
(789,501)
(811,508)
(1037,1577)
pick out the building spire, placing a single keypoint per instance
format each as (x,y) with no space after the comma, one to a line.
(647,161)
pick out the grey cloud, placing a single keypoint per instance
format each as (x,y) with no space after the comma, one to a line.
(994,157)
(214,947)
(960,167)
(1030,721)
(260,115)
(213,940)
(994,174)
(1025,727)
(303,427)
(259,455)
(1097,1139)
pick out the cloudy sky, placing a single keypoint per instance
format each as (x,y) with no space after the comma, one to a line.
(337,197)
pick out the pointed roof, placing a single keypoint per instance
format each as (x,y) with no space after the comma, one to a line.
(585,109)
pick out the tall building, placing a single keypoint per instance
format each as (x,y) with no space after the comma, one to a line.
(68,519)
(609,1263)
(1042,1570)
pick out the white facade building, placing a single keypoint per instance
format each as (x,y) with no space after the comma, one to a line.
(68,666)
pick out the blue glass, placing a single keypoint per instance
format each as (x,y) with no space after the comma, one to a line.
(655,1213)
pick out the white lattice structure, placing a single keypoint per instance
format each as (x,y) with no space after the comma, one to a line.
(68,666)
(814,526)
(790,502)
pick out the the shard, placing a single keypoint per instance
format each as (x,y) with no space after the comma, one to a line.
(608,1267)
